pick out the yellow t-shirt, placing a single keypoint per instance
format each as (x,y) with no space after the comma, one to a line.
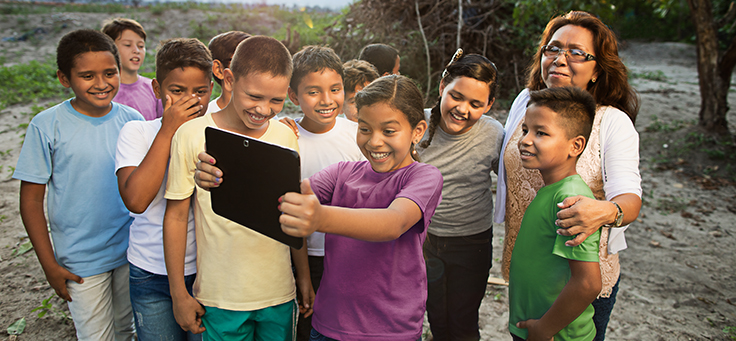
(237,268)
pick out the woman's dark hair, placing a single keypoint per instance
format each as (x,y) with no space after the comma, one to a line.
(472,66)
(611,86)
(398,92)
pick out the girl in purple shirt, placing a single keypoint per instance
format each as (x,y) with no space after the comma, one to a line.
(375,214)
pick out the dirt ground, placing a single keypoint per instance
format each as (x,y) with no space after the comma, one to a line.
(678,278)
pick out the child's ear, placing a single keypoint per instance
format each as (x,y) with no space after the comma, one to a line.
(228,80)
(490,104)
(217,69)
(63,79)
(442,87)
(156,88)
(293,97)
(419,131)
(577,145)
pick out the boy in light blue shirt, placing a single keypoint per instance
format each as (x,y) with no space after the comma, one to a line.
(70,149)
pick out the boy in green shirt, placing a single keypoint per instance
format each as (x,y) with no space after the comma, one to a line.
(552,286)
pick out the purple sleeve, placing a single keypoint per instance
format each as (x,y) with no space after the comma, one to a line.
(423,186)
(323,182)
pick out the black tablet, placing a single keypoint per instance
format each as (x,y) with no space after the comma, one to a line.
(257,173)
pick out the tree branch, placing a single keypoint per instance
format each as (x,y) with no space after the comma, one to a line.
(426,48)
(730,16)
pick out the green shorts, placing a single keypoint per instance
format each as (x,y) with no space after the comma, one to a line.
(267,324)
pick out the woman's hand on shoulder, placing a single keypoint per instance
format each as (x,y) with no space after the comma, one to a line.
(581,216)
(207,175)
(291,124)
(301,212)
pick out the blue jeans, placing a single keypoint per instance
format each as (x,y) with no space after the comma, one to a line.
(152,306)
(314,335)
(603,308)
(457,275)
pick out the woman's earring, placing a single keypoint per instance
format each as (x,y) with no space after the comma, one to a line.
(593,80)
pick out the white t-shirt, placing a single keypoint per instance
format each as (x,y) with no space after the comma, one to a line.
(318,151)
(146,244)
(213,107)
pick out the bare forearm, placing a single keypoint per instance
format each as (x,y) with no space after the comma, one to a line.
(139,185)
(582,289)
(34,220)
(175,243)
(630,204)
(373,225)
(300,258)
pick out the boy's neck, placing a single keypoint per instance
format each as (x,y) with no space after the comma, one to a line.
(128,77)
(314,127)
(229,120)
(555,174)
(223,100)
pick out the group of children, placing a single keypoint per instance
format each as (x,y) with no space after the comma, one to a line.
(141,252)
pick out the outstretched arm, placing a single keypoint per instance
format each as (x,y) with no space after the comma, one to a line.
(31,212)
(139,185)
(303,214)
(582,216)
(578,293)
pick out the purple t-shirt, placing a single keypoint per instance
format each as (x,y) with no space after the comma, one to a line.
(374,290)
(140,96)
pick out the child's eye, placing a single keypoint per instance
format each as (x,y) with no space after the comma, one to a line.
(336,90)
(312,93)
(455,97)
(364,130)
(175,91)
(524,131)
(202,92)
(475,105)
(541,133)
(87,77)
(388,131)
(277,100)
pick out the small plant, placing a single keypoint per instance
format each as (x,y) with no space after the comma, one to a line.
(665,127)
(48,307)
(730,332)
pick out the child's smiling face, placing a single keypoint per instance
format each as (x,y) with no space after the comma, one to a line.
(464,101)
(95,80)
(544,144)
(385,137)
(256,98)
(320,96)
(349,108)
(132,49)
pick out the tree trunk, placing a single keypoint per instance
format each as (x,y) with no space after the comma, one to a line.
(714,81)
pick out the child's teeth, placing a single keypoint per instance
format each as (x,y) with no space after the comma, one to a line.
(379,155)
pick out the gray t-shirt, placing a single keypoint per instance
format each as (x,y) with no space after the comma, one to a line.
(466,162)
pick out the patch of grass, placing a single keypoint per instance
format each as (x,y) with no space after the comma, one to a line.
(657,76)
(730,332)
(27,83)
(47,306)
(667,127)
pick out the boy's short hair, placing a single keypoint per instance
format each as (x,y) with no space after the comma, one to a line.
(80,41)
(382,56)
(180,53)
(314,59)
(115,27)
(261,54)
(223,46)
(575,106)
(358,72)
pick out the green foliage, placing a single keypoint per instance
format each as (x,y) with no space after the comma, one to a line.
(23,248)
(28,82)
(17,327)
(730,332)
(667,127)
(47,306)
(657,76)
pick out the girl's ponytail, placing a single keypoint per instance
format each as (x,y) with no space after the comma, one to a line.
(434,122)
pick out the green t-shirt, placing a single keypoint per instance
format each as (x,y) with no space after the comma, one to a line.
(539,262)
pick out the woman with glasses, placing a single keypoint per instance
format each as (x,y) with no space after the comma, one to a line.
(577,49)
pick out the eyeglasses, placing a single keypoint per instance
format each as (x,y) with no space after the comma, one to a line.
(573,55)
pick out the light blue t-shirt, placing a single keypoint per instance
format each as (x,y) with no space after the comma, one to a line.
(74,155)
